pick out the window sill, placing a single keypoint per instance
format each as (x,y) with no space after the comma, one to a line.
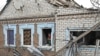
(25,45)
(45,47)
(10,46)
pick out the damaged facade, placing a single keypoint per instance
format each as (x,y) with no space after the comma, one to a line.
(43,28)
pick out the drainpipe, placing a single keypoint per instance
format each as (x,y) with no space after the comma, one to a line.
(35,51)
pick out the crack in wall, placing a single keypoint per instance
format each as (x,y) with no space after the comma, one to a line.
(18,4)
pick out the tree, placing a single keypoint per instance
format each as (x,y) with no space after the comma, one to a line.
(95,3)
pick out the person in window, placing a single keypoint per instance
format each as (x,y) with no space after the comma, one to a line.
(49,39)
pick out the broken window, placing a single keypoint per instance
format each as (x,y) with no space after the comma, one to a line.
(27,36)
(75,34)
(46,40)
(10,37)
(89,39)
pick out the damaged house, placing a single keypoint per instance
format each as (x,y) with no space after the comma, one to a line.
(47,27)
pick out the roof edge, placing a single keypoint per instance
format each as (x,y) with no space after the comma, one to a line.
(50,16)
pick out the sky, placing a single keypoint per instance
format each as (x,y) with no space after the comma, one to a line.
(84,3)
(2,3)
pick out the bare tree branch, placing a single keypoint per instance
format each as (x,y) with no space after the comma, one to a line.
(95,3)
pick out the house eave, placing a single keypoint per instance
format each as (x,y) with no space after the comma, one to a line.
(47,16)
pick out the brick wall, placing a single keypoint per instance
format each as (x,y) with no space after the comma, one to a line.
(1,36)
(87,51)
(72,22)
(6,51)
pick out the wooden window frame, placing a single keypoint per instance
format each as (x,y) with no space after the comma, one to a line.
(41,26)
(9,27)
(23,35)
(21,28)
(8,40)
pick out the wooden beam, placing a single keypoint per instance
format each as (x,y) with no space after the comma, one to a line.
(64,2)
(85,33)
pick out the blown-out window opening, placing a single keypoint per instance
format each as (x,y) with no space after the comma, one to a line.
(46,36)
(89,39)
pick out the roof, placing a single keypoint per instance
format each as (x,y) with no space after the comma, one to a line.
(31,8)
(17,9)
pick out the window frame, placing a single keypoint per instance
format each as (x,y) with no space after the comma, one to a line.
(8,31)
(22,27)
(41,26)
(23,36)
(5,29)
(43,37)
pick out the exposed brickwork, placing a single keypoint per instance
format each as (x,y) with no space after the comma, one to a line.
(48,53)
(42,11)
(87,51)
(1,36)
(4,51)
(63,24)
